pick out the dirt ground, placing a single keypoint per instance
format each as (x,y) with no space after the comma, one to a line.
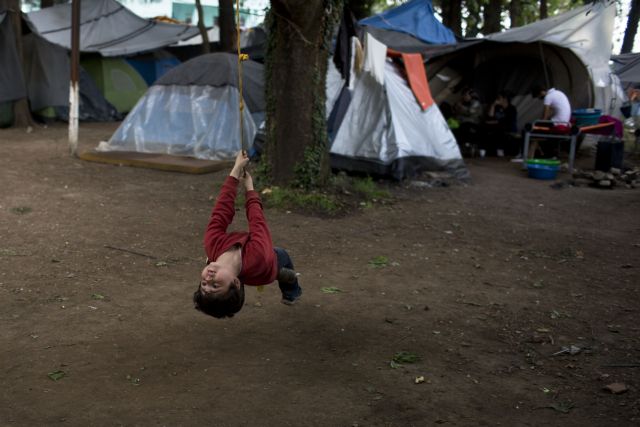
(484,283)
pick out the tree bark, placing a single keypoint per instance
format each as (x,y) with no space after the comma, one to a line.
(296,65)
(203,28)
(492,16)
(227,21)
(452,15)
(632,27)
(544,10)
(21,114)
(515,13)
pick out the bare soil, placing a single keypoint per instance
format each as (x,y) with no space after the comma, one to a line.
(483,282)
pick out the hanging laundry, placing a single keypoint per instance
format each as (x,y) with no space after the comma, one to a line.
(375,55)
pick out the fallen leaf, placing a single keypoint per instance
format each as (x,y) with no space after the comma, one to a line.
(419,380)
(405,357)
(331,290)
(97,296)
(56,375)
(379,261)
(161,264)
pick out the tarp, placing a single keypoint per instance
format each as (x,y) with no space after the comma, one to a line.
(44,75)
(107,27)
(416,18)
(12,83)
(627,67)
(193,110)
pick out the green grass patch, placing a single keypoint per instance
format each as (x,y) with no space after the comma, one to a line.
(294,199)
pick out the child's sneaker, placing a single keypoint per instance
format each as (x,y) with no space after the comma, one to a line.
(290,298)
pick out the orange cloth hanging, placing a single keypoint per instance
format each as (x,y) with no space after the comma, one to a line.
(417,77)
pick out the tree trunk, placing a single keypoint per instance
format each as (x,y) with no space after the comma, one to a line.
(46,3)
(452,15)
(544,12)
(203,28)
(21,114)
(472,18)
(492,17)
(227,21)
(296,66)
(360,8)
(515,13)
(632,27)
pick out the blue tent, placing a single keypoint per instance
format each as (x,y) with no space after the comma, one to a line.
(415,18)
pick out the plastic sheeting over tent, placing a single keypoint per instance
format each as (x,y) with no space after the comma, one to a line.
(193,110)
(108,28)
(416,18)
(386,132)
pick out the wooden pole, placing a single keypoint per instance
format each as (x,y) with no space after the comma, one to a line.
(74,90)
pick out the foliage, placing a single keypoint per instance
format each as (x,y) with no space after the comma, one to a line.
(341,195)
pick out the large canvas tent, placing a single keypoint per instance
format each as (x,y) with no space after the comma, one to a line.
(193,110)
(569,51)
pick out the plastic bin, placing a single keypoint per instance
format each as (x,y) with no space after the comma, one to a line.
(587,116)
(542,169)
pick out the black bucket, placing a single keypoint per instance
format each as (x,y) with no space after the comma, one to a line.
(609,154)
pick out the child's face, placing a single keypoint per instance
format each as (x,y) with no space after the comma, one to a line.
(216,279)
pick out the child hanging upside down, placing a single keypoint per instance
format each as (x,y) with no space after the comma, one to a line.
(240,258)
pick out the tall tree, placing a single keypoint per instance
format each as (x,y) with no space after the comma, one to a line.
(515,13)
(632,27)
(492,17)
(21,114)
(227,23)
(544,10)
(203,28)
(296,67)
(452,15)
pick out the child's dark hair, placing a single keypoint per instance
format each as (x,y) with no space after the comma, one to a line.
(221,306)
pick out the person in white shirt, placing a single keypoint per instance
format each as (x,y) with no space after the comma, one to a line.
(556,109)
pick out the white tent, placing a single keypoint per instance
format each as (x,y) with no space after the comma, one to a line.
(193,110)
(385,131)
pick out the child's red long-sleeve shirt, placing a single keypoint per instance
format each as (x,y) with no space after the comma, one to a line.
(259,264)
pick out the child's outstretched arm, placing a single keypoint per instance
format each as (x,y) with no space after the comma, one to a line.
(224,209)
(255,217)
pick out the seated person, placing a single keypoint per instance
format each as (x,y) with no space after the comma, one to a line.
(556,109)
(468,113)
(501,123)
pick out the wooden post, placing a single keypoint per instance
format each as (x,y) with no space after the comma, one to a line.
(74,89)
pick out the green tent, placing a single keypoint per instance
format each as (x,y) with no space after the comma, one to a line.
(118,81)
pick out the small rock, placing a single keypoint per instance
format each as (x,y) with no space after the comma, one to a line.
(598,176)
(610,176)
(605,183)
(615,171)
(616,388)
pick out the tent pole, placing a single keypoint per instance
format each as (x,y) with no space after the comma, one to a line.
(73,87)
(544,67)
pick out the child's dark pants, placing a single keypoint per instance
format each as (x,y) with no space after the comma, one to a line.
(290,291)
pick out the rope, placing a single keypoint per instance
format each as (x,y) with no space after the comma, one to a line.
(241,57)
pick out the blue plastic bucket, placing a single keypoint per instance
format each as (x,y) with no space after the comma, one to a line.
(587,116)
(543,169)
